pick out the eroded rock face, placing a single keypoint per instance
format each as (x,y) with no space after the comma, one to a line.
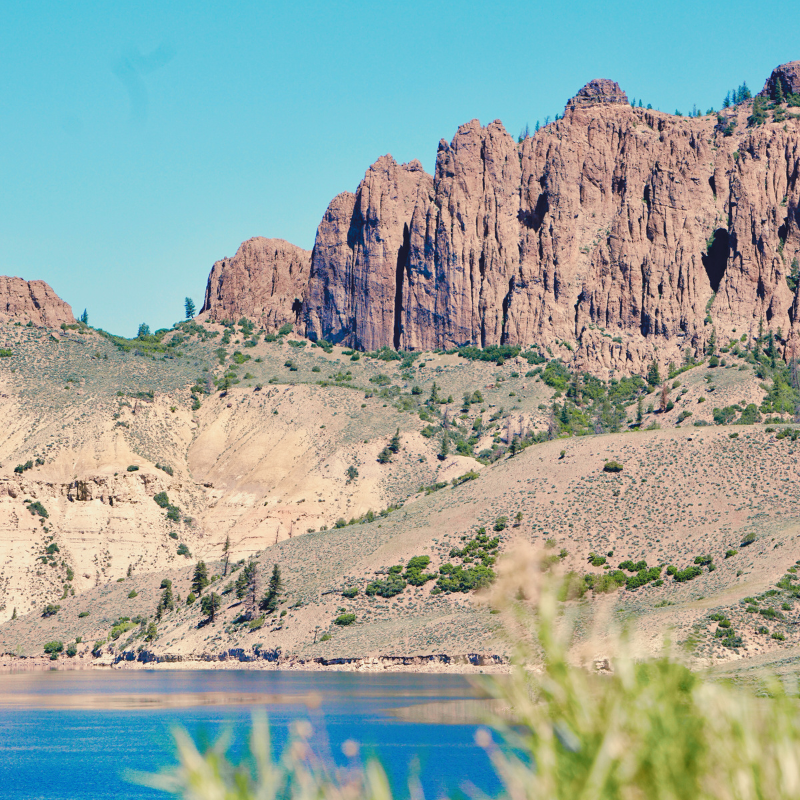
(265,281)
(598,92)
(32,301)
(612,236)
(789,77)
(361,255)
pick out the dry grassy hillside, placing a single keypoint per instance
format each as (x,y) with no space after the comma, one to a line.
(267,460)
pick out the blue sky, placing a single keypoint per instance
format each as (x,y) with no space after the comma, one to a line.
(140,142)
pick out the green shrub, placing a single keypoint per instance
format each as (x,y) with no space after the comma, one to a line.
(748,540)
(688,574)
(350,591)
(133,468)
(392,585)
(51,609)
(183,550)
(5,352)
(53,649)
(642,577)
(132,593)
(122,626)
(730,553)
(83,614)
(612,466)
(161,499)
(37,508)
(345,619)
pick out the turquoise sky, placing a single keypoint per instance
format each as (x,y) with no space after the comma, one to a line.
(141,141)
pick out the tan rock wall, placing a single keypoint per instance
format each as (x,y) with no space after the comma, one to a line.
(32,301)
(264,281)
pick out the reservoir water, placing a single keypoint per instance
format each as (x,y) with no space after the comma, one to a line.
(76,735)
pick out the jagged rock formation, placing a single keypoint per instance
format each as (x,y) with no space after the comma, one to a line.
(32,301)
(612,236)
(598,91)
(264,281)
(360,257)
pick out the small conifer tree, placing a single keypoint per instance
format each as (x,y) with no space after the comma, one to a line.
(200,579)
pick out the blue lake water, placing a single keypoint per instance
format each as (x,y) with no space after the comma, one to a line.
(51,751)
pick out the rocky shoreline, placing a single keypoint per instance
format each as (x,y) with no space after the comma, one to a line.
(239,658)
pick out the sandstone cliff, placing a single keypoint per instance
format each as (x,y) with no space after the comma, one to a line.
(612,236)
(264,281)
(32,301)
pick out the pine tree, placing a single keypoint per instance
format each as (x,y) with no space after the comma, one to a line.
(85,317)
(777,91)
(188,305)
(200,579)
(653,375)
(444,451)
(167,602)
(274,589)
(711,347)
(772,351)
(247,588)
(144,330)
(241,583)
(14,614)
(394,443)
(226,549)
(210,604)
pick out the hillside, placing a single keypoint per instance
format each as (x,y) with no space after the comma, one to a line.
(265,462)
(585,339)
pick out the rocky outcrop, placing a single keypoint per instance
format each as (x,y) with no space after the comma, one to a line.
(265,281)
(360,257)
(597,92)
(613,236)
(32,301)
(787,76)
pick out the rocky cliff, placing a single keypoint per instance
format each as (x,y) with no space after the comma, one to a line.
(612,236)
(32,301)
(264,281)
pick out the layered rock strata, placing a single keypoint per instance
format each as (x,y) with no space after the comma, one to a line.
(32,301)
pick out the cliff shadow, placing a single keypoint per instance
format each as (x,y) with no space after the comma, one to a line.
(402,261)
(715,258)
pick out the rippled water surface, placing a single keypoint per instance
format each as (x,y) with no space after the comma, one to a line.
(74,735)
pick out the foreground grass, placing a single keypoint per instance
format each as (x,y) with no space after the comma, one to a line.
(647,729)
